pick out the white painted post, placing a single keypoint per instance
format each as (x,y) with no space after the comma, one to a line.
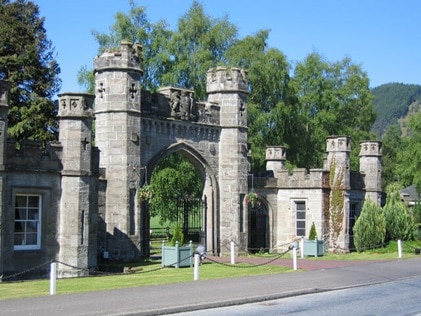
(232,252)
(399,248)
(196,267)
(294,257)
(53,278)
(302,247)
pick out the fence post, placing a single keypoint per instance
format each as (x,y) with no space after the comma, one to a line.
(196,267)
(294,257)
(399,248)
(53,278)
(302,247)
(232,252)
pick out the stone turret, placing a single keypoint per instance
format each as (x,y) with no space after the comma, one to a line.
(78,205)
(275,158)
(371,168)
(337,212)
(117,135)
(228,88)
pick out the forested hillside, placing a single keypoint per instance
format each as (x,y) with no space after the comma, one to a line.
(392,102)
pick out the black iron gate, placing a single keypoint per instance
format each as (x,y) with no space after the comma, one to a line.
(190,215)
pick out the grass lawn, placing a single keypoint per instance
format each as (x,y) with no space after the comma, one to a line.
(150,273)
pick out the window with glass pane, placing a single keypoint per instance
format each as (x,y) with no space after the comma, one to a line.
(300,220)
(27,222)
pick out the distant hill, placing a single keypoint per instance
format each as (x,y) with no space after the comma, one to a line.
(392,103)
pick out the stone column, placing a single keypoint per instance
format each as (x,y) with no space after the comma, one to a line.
(337,222)
(117,135)
(275,158)
(4,108)
(78,205)
(228,88)
(371,168)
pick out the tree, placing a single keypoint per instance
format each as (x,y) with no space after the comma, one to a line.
(335,99)
(392,144)
(173,180)
(399,222)
(27,61)
(409,158)
(370,227)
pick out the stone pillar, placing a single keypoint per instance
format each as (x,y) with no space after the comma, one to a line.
(78,205)
(117,135)
(275,158)
(4,108)
(371,168)
(228,88)
(336,226)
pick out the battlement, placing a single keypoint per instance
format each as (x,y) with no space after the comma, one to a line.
(300,178)
(76,105)
(338,143)
(128,56)
(33,156)
(223,79)
(371,148)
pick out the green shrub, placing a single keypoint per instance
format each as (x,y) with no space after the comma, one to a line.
(313,234)
(399,222)
(370,227)
(177,236)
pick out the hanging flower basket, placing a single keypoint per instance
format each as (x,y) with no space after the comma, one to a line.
(144,193)
(253,198)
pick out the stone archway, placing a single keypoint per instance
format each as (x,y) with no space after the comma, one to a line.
(135,127)
(210,231)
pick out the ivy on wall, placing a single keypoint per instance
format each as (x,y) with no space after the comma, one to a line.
(336,203)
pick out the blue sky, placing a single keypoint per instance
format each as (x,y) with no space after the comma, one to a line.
(383,36)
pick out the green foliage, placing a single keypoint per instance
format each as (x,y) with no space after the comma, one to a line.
(370,227)
(177,236)
(409,157)
(174,179)
(391,102)
(313,234)
(392,144)
(399,222)
(27,62)
(320,99)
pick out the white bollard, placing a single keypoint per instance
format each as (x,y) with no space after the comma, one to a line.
(232,252)
(196,267)
(294,257)
(399,248)
(53,278)
(302,247)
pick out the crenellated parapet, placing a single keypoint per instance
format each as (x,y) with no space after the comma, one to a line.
(300,178)
(33,156)
(128,56)
(76,105)
(371,148)
(223,79)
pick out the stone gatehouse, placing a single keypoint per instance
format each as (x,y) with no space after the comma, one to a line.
(75,200)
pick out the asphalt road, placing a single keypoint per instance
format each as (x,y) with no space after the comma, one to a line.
(198,295)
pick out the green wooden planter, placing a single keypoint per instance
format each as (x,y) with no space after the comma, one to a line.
(313,247)
(176,256)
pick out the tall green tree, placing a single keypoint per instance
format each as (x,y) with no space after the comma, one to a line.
(334,99)
(27,62)
(392,144)
(135,26)
(409,158)
(370,227)
(399,221)
(175,179)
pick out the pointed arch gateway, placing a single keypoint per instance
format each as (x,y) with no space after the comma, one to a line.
(209,226)
(136,128)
